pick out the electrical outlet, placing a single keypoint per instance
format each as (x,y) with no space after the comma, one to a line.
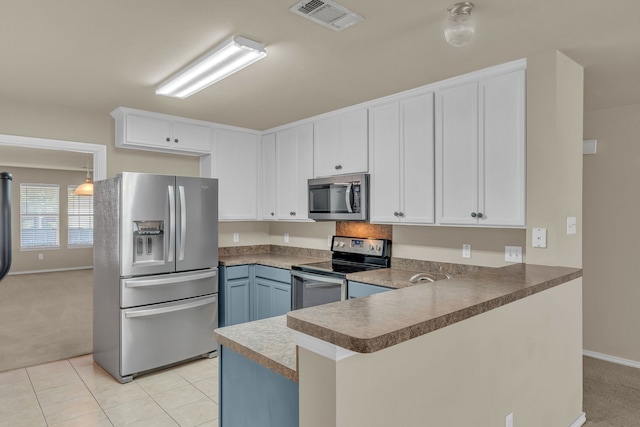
(466,251)
(539,237)
(40,257)
(572,225)
(286,237)
(508,421)
(513,253)
(329,241)
(236,237)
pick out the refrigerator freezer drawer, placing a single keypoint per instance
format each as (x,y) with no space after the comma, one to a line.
(162,334)
(138,291)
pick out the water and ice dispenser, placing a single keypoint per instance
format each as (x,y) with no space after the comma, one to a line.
(148,241)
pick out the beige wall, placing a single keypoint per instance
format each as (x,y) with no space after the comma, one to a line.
(611,200)
(554,156)
(250,233)
(53,259)
(90,127)
(511,359)
(303,234)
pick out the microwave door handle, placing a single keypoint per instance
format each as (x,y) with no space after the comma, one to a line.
(347,195)
(172,223)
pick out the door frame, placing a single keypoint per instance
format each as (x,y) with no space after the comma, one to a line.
(98,151)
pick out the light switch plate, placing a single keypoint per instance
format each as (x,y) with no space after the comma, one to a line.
(572,225)
(513,253)
(236,237)
(286,237)
(466,251)
(539,237)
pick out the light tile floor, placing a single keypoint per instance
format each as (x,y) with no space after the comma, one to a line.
(78,392)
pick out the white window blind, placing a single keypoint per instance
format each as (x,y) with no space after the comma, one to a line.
(39,216)
(80,211)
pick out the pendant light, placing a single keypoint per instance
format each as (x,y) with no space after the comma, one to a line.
(460,27)
(86,188)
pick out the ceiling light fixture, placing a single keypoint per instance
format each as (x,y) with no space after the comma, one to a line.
(460,27)
(86,188)
(220,62)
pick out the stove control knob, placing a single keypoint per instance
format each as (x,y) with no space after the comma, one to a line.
(378,248)
(342,244)
(335,244)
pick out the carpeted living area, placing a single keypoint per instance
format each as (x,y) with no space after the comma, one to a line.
(45,317)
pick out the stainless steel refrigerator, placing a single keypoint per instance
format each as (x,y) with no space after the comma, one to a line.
(155,299)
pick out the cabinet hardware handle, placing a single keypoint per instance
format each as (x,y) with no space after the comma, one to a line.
(176,140)
(480,215)
(292,213)
(338,167)
(473,214)
(168,139)
(401,214)
(272,214)
(396,214)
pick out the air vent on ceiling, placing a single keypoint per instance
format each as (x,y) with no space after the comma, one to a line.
(327,13)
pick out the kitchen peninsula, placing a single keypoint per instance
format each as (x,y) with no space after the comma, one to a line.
(465,351)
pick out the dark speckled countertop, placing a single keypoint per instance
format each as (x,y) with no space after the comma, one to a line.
(373,323)
(367,325)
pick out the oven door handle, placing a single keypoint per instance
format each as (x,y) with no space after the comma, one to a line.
(318,278)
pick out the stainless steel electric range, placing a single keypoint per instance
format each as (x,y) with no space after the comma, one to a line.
(324,282)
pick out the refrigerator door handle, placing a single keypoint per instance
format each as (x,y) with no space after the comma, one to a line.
(183,223)
(176,307)
(140,283)
(172,223)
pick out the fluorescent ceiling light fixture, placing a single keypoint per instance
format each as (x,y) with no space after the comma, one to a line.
(220,62)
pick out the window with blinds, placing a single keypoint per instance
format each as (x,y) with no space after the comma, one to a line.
(39,216)
(80,211)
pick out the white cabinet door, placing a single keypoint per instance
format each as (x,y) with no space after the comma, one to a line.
(235,162)
(269,177)
(480,152)
(340,144)
(385,163)
(144,130)
(148,131)
(294,166)
(417,151)
(502,145)
(402,179)
(189,137)
(457,155)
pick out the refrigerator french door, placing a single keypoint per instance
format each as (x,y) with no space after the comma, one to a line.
(155,271)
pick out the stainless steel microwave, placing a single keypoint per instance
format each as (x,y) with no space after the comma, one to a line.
(339,198)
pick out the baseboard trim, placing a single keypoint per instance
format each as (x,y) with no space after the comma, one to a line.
(55,270)
(579,421)
(612,359)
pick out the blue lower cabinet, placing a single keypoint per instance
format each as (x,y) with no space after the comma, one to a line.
(272,295)
(234,286)
(253,292)
(357,289)
(254,396)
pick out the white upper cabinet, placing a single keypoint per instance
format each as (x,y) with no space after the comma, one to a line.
(294,166)
(340,144)
(269,177)
(402,161)
(143,130)
(235,161)
(480,152)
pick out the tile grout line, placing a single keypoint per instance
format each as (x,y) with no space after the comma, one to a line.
(90,391)
(36,395)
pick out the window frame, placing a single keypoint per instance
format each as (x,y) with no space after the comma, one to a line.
(72,197)
(24,213)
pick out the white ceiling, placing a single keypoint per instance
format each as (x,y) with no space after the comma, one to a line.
(96,55)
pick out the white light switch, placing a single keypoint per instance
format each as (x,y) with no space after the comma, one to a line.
(572,226)
(466,251)
(539,236)
(286,237)
(236,237)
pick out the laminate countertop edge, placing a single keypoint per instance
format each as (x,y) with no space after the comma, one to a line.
(370,324)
